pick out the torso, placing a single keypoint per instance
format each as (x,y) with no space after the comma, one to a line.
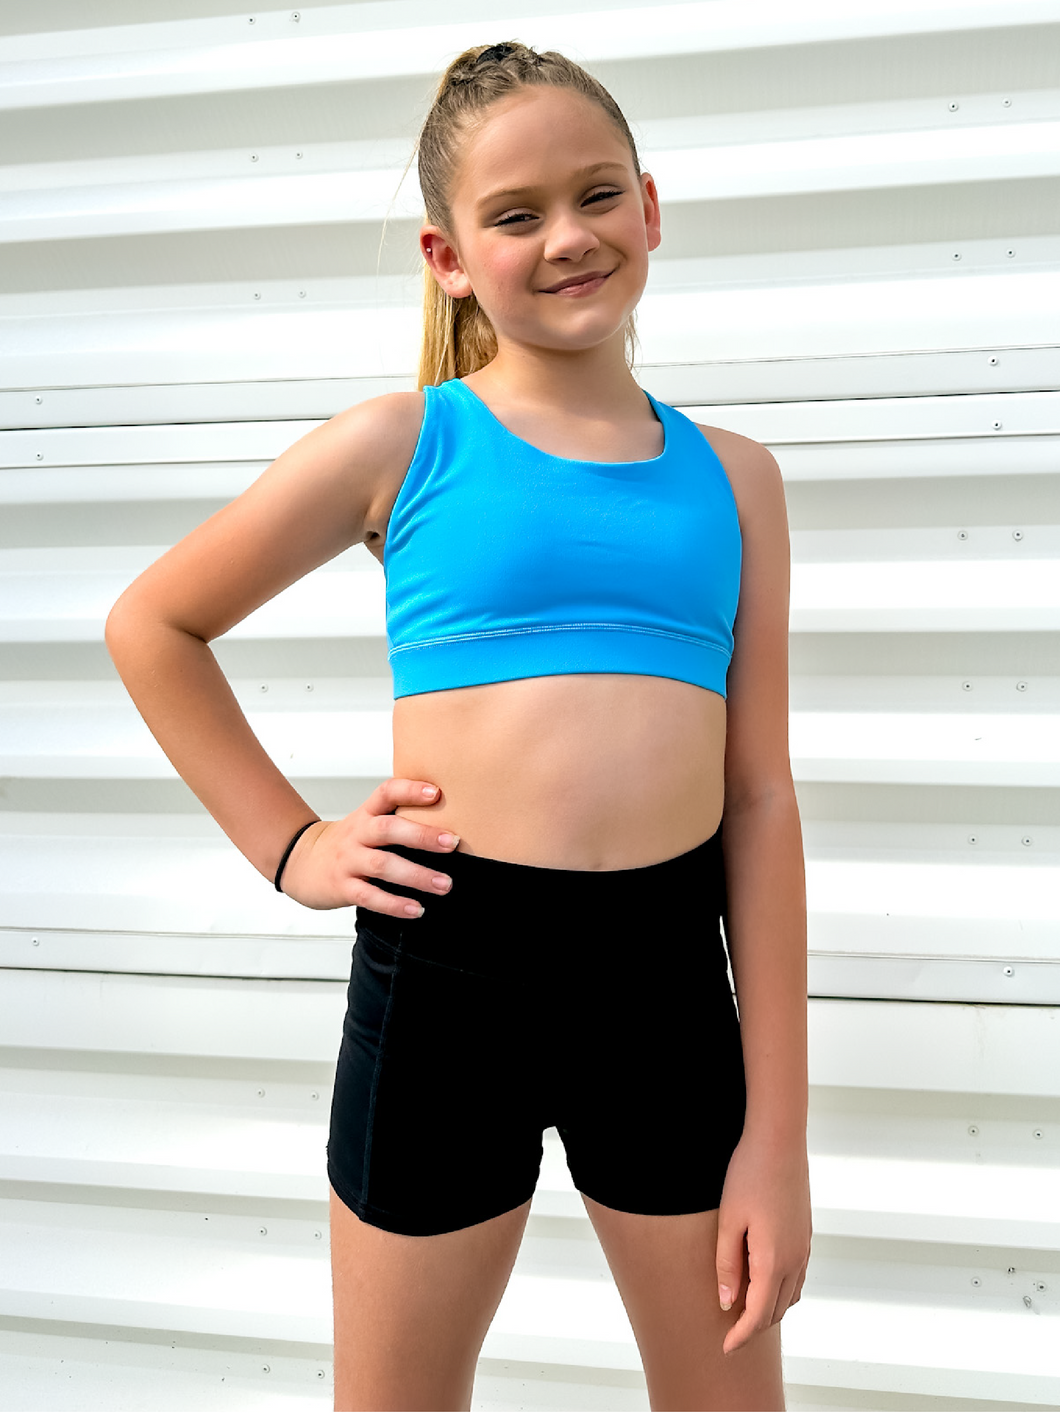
(580,771)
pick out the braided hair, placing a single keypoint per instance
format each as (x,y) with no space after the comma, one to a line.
(458,337)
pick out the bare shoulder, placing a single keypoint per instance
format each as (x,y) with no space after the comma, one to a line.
(382,434)
(381,430)
(751,467)
(350,468)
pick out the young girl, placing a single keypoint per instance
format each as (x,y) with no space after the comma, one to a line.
(587,611)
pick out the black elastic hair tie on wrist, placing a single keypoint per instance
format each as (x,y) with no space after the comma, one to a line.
(287,852)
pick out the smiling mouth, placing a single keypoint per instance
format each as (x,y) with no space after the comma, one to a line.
(585,285)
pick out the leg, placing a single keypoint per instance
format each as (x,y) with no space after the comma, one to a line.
(664,1270)
(411,1312)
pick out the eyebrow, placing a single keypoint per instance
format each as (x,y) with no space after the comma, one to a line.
(520,190)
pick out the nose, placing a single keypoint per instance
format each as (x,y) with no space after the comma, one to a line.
(569,236)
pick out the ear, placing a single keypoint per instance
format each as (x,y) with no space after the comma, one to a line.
(652,212)
(444,260)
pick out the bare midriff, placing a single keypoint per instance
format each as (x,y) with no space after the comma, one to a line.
(582,771)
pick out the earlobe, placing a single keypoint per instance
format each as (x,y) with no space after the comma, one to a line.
(456,285)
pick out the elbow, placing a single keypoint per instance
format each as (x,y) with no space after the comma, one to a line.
(767,794)
(136,631)
(126,628)
(120,626)
(114,629)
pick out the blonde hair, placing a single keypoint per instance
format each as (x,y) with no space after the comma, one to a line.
(458,337)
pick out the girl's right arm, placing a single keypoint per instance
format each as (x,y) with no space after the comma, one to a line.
(313,502)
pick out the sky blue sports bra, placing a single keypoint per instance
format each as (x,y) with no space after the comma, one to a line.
(503,561)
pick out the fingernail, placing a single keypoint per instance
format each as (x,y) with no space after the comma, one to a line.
(726,1297)
(440,881)
(449,841)
(430,789)
(414,909)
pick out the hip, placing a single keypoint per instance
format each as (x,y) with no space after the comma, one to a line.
(506,920)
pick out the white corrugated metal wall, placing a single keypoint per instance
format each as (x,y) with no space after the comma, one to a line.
(861,268)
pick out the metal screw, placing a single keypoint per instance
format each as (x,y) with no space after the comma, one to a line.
(973,838)
(38,400)
(251,21)
(253,156)
(1009,971)
(976,1281)
(1017,535)
(1037,1133)
(962,534)
(301,294)
(954,107)
(257,294)
(36,941)
(298,156)
(296,16)
(966,686)
(264,687)
(40,456)
(319,1235)
(997,426)
(956,255)
(1010,253)
(993,360)
(1021,686)
(1040,1285)
(973,1129)
(265,1369)
(1026,841)
(309,686)
(315,1094)
(261,1094)
(263,1230)
(320,1373)
(1006,102)
(1012,1270)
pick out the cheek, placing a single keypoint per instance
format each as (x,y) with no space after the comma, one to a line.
(508,267)
(633,232)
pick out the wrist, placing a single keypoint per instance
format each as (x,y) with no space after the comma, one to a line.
(292,844)
(779,1132)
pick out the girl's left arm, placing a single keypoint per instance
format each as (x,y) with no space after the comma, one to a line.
(764,1222)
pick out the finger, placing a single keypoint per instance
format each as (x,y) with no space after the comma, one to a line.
(730,1259)
(787,1289)
(380,863)
(366,895)
(388,829)
(385,798)
(757,1312)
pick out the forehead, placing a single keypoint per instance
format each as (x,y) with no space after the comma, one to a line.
(535,135)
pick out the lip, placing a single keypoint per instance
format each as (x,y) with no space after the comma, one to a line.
(577,283)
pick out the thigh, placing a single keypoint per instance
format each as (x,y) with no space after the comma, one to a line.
(652,1093)
(434,1122)
(665,1272)
(411,1312)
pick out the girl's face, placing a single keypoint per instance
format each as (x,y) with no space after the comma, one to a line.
(546,194)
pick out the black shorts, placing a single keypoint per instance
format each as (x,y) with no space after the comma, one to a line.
(597,1002)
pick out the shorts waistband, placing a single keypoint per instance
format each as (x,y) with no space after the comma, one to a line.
(496,896)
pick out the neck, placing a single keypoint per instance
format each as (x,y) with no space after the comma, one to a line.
(588,382)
